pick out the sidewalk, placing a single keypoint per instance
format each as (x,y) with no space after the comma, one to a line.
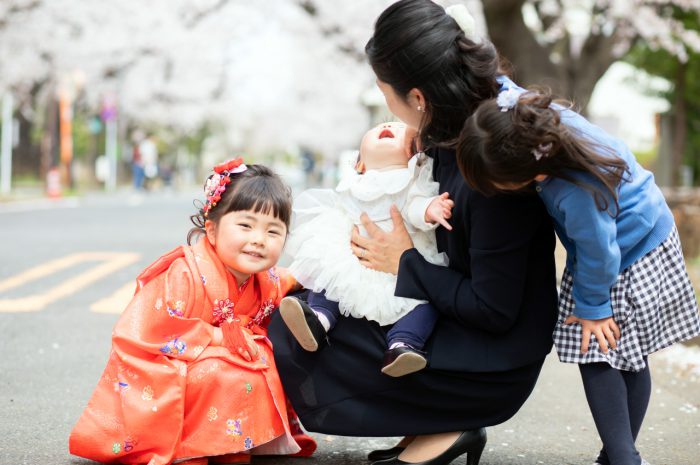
(28,199)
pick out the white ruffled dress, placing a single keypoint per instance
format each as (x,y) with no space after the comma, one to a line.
(319,243)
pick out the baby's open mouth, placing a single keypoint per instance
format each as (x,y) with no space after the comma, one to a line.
(386,133)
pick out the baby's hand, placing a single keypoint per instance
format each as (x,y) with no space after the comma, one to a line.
(440,210)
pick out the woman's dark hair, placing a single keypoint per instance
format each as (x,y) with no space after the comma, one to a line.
(417,45)
(257,188)
(499,148)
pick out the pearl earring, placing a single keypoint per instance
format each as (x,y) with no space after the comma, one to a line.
(420,108)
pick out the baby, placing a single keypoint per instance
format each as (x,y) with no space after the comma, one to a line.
(339,283)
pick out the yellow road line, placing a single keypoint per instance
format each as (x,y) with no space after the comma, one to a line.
(46,269)
(113,261)
(117,302)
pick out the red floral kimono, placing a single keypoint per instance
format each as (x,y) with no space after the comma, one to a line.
(167,393)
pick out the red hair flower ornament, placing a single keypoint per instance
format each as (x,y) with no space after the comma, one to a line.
(217,182)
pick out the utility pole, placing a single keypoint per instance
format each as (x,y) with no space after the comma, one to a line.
(109,116)
(6,150)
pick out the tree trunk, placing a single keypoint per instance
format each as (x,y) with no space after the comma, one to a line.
(49,142)
(573,76)
(516,43)
(680,125)
(27,158)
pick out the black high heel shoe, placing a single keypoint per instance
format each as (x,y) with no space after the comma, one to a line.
(471,442)
(384,454)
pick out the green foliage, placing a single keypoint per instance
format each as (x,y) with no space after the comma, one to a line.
(658,62)
(647,158)
(81,136)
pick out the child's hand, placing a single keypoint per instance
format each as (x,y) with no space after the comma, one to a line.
(240,342)
(440,210)
(246,347)
(252,352)
(605,331)
(218,337)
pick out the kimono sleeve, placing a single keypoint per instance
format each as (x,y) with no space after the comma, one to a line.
(163,317)
(287,283)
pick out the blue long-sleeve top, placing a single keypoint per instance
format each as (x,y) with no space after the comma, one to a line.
(600,245)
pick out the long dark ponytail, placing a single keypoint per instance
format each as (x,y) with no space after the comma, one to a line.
(504,148)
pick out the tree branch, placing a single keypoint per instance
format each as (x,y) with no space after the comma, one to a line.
(14,9)
(197,17)
(547,20)
(507,29)
(344,45)
(597,55)
(309,7)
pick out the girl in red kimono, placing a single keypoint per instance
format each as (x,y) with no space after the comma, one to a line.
(191,377)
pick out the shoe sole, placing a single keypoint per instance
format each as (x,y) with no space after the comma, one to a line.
(405,364)
(293,316)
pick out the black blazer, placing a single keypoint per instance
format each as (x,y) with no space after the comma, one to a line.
(498,296)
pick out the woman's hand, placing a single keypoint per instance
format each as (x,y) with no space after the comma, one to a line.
(382,250)
(605,331)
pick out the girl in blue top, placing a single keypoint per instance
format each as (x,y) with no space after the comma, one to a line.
(625,292)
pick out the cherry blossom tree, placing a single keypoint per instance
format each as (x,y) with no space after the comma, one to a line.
(264,71)
(570,44)
(565,44)
(281,73)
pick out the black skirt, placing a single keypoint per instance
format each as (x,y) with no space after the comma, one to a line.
(340,389)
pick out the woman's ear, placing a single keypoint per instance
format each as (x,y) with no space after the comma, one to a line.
(416,99)
(210,228)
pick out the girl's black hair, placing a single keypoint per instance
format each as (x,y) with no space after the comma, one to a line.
(257,188)
(497,148)
(417,45)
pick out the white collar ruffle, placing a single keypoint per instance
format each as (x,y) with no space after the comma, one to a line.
(374,184)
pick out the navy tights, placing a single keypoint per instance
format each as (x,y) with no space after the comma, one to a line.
(414,328)
(618,400)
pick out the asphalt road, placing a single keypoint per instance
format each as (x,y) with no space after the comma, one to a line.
(64,269)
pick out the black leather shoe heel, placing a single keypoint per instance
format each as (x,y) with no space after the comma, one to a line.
(303,323)
(471,442)
(384,454)
(403,360)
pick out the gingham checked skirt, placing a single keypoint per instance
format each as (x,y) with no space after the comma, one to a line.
(653,303)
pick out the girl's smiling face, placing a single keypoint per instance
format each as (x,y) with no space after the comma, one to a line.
(247,242)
